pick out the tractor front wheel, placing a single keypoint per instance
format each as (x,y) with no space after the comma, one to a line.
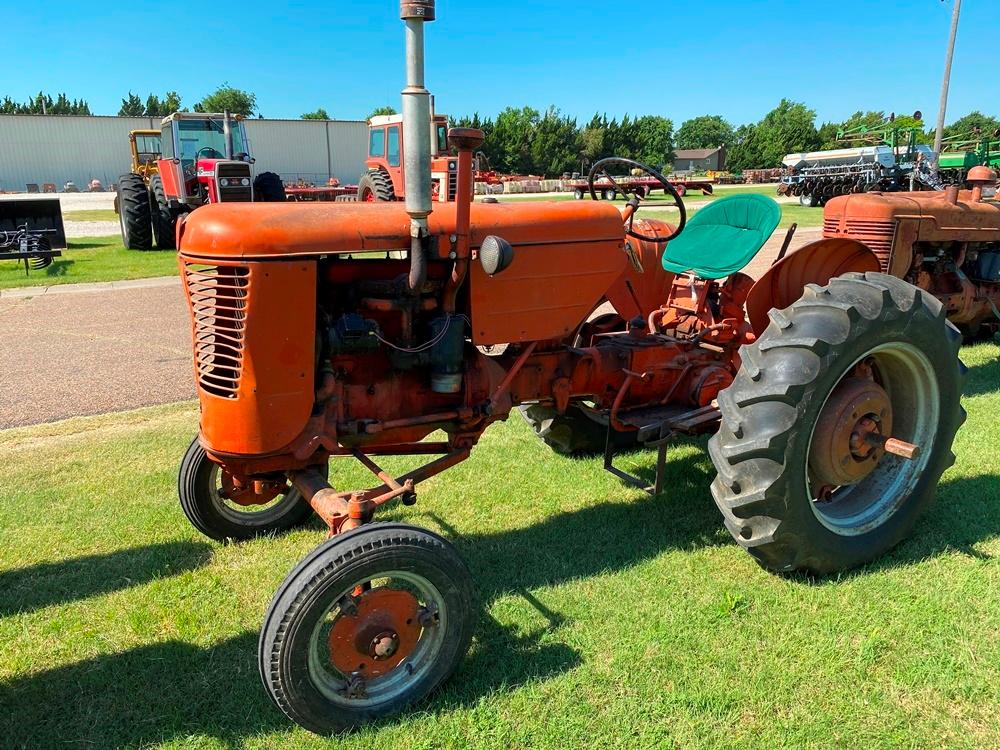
(164,220)
(375,186)
(838,425)
(209,500)
(368,623)
(134,216)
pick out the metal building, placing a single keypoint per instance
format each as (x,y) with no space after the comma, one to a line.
(61,148)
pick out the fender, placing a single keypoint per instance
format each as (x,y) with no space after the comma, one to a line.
(815,263)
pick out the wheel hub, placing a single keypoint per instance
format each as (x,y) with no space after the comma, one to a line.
(849,437)
(376,633)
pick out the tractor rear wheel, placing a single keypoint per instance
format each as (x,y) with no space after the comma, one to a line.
(164,219)
(268,188)
(375,186)
(206,499)
(133,213)
(808,479)
(369,622)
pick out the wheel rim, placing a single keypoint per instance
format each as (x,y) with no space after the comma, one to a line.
(255,515)
(906,377)
(350,624)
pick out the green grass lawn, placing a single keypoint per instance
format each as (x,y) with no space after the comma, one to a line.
(609,619)
(91,214)
(92,259)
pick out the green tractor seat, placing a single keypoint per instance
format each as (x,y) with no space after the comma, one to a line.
(723,237)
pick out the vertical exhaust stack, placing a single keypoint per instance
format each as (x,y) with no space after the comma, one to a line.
(416,135)
(227,134)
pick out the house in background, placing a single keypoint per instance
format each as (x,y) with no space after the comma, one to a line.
(699,159)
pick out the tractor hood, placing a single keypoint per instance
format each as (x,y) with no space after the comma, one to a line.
(271,231)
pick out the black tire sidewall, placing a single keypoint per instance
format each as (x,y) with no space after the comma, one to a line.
(857,549)
(194,487)
(310,590)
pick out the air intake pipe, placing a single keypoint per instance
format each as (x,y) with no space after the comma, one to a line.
(416,136)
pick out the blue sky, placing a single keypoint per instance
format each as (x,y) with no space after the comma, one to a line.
(679,59)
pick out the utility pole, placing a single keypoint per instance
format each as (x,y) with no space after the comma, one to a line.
(947,77)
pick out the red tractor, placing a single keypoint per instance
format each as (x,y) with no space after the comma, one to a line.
(203,158)
(348,332)
(385,178)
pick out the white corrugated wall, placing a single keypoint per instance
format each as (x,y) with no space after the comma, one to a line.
(53,148)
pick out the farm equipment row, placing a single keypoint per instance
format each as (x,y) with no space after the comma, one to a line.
(891,160)
(349,332)
(609,188)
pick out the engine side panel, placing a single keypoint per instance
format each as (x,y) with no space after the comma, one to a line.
(546,292)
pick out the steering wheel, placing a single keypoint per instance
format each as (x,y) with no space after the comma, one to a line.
(600,171)
(210,153)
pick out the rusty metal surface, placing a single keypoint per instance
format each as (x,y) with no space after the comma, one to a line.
(815,263)
(93,352)
(840,453)
(375,635)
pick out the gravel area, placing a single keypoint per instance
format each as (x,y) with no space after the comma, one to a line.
(72,201)
(76,229)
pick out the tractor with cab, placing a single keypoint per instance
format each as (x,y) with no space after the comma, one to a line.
(332,333)
(194,159)
(385,175)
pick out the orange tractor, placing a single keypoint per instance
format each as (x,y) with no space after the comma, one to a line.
(947,243)
(385,178)
(349,332)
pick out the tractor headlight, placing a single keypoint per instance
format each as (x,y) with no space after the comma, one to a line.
(452,166)
(495,254)
(224,182)
(245,182)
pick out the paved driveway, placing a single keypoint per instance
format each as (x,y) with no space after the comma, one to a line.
(69,353)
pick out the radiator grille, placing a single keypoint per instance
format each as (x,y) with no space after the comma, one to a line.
(218,296)
(876,234)
(452,185)
(234,193)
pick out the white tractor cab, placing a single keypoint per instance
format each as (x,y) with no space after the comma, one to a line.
(205,158)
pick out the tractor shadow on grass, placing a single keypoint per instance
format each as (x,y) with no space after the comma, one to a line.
(965,512)
(607,536)
(143,696)
(983,378)
(50,583)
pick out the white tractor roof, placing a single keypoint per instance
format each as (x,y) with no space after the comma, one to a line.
(380,120)
(199,116)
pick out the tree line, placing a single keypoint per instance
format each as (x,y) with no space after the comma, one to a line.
(527,142)
(42,104)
